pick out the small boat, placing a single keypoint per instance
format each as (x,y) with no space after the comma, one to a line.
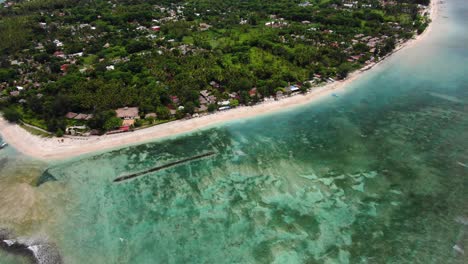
(3,145)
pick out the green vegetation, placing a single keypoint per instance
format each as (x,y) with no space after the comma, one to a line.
(11,114)
(234,103)
(91,57)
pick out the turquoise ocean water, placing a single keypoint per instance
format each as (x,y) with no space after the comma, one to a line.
(376,175)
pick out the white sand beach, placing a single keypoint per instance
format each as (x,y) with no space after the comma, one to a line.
(55,149)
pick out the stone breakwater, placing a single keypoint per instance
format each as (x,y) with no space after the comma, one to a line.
(38,249)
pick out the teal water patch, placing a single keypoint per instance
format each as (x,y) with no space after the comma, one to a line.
(318,185)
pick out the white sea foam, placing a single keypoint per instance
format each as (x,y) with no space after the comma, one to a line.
(35,250)
(446,97)
(462,220)
(45,254)
(459,249)
(9,242)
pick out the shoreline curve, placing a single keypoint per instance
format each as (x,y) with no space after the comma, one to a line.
(51,149)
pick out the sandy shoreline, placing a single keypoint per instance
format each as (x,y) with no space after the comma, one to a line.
(51,149)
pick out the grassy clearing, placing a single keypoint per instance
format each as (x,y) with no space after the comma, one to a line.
(35,131)
(156,122)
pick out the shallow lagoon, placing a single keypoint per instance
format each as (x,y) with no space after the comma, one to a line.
(374,175)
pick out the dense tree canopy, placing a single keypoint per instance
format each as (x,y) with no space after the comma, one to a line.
(95,56)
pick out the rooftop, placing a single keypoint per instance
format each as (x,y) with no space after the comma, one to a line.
(127,112)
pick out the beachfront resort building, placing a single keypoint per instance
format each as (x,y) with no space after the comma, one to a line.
(128,114)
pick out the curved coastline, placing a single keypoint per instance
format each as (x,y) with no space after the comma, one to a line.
(52,149)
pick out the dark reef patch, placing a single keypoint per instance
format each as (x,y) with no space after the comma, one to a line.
(38,250)
(46,176)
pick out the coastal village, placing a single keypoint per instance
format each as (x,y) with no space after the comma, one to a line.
(74,64)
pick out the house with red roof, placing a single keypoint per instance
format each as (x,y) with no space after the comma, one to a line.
(59,54)
(253,92)
(64,67)
(175,99)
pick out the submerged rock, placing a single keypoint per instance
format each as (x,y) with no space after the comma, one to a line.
(46,254)
(45,177)
(39,250)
